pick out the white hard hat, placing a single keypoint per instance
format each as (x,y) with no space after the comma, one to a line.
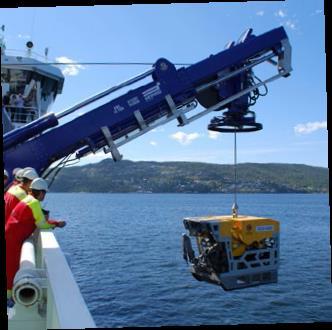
(5,173)
(15,170)
(28,168)
(30,174)
(39,184)
(19,173)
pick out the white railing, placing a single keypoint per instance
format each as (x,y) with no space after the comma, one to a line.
(66,308)
(25,53)
(22,115)
(46,293)
(28,281)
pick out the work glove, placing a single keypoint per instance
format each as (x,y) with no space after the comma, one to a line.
(61,224)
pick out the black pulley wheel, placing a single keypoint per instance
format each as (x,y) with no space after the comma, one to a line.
(226,128)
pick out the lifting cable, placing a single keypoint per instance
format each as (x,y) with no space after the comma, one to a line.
(95,63)
(235,207)
(65,162)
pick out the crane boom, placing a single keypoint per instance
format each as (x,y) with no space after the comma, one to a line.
(224,81)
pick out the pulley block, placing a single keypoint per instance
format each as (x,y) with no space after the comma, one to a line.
(232,122)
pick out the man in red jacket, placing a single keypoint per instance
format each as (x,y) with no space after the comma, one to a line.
(23,220)
(18,192)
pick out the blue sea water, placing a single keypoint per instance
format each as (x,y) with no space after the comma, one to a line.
(126,255)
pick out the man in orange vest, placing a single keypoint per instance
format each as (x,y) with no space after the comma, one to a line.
(23,220)
(17,192)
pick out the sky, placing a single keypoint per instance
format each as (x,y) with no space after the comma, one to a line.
(293,113)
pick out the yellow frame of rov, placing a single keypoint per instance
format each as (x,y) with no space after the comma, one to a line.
(244,231)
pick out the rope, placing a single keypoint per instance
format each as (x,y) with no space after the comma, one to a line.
(235,206)
(235,169)
(33,23)
(95,63)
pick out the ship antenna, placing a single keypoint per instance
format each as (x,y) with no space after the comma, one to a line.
(46,53)
(2,40)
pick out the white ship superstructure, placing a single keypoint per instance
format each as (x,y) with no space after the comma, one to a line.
(25,77)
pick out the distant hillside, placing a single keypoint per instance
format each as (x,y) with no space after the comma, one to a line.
(190,177)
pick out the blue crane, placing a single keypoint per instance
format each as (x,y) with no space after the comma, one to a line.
(224,82)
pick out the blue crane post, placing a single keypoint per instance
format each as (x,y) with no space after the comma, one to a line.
(219,82)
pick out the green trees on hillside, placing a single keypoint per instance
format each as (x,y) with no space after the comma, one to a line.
(187,177)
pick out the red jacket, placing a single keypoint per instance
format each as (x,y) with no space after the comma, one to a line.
(24,219)
(12,197)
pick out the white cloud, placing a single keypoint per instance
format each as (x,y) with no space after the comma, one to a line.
(158,130)
(93,158)
(184,138)
(310,127)
(280,13)
(153,143)
(213,135)
(260,13)
(290,24)
(287,21)
(71,69)
(317,12)
(24,36)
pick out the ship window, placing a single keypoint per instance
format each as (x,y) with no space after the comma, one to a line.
(35,100)
(21,109)
(17,79)
(47,85)
(4,75)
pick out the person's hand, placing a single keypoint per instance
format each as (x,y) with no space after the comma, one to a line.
(61,224)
